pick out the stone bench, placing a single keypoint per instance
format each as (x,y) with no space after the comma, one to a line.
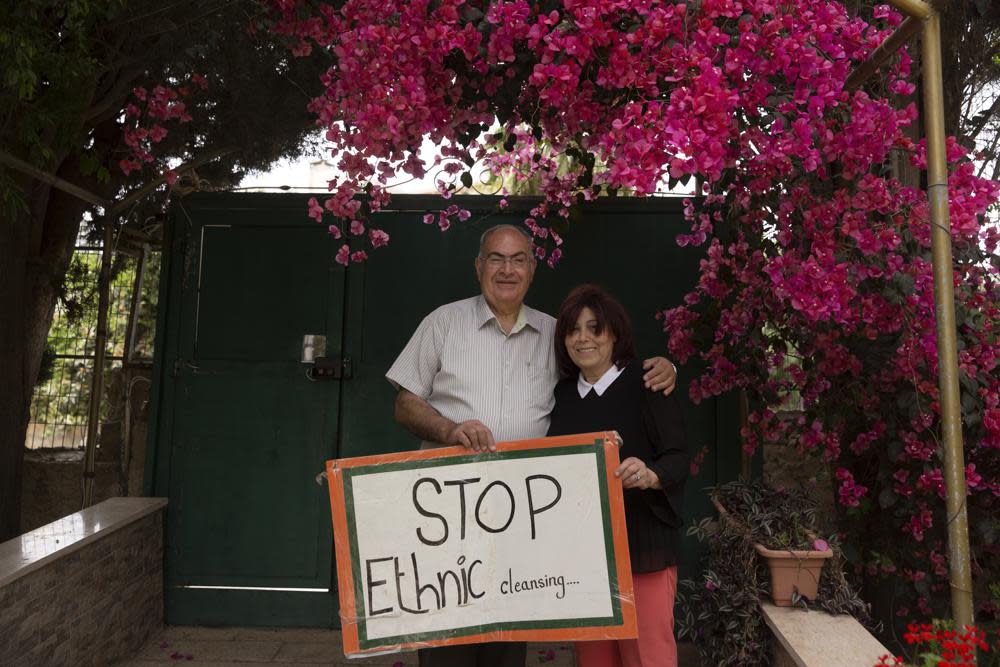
(86,589)
(817,639)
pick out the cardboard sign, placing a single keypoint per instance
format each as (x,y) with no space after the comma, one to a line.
(441,546)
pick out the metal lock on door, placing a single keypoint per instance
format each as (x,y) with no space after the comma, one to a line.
(318,365)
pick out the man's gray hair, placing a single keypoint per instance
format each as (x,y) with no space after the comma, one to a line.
(489,232)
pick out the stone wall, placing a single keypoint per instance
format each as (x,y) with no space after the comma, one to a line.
(93,606)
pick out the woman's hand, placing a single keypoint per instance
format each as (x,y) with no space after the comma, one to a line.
(635,475)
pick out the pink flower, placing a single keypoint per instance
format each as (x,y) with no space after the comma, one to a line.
(343,255)
(814,286)
(315,210)
(378,238)
(357,228)
(157,134)
(850,493)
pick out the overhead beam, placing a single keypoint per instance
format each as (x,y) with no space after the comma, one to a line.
(915,8)
(54,181)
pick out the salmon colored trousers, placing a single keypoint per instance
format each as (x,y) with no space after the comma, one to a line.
(655,647)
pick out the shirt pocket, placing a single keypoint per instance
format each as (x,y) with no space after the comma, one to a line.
(539,386)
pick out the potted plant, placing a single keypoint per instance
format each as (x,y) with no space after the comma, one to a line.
(719,609)
(782,527)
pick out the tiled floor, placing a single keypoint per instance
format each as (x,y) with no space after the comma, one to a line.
(233,647)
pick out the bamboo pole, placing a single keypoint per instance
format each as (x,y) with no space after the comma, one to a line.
(97,381)
(944,302)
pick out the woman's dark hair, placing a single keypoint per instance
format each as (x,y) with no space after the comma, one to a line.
(609,314)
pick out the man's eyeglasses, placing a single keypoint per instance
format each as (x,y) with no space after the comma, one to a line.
(495,260)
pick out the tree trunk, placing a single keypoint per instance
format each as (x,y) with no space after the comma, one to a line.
(15,398)
(35,252)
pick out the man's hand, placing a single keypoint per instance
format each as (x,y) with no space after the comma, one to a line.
(660,376)
(423,421)
(474,435)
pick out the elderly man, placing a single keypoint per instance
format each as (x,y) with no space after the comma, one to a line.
(482,370)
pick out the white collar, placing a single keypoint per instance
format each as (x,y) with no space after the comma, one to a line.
(601,385)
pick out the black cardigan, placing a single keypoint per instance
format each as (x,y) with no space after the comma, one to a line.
(652,430)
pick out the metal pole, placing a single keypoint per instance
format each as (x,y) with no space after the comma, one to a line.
(97,382)
(944,301)
(135,308)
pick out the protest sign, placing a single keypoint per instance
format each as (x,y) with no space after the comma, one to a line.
(441,546)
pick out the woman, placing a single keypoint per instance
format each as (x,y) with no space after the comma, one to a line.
(603,390)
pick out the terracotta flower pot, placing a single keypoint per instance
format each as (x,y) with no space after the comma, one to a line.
(791,570)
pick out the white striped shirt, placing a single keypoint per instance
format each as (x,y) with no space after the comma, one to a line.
(461,362)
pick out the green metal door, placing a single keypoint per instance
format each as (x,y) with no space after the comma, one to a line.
(244,431)
(241,431)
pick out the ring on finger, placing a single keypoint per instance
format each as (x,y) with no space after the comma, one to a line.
(636,476)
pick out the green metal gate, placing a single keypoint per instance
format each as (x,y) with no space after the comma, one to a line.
(239,430)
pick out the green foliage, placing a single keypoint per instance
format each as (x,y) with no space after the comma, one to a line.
(70,69)
(777,519)
(720,612)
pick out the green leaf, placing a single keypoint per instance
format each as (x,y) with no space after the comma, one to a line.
(467,179)
(88,164)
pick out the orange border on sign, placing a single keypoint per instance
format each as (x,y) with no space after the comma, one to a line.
(342,550)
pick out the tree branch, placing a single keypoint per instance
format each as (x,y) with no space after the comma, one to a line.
(119,207)
(986,116)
